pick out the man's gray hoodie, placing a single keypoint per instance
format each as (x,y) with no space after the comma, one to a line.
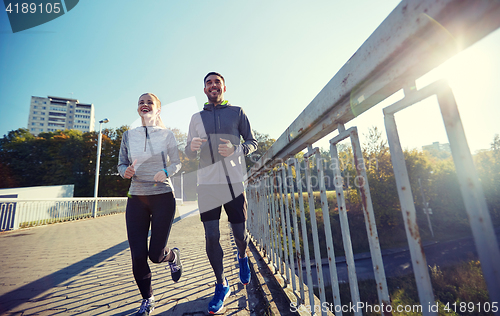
(222,121)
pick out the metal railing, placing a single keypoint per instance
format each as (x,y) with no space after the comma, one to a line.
(22,213)
(178,187)
(415,38)
(472,193)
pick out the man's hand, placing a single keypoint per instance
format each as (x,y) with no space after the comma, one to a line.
(160,176)
(130,170)
(226,149)
(196,143)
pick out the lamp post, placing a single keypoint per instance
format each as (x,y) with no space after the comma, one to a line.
(427,210)
(97,167)
(182,187)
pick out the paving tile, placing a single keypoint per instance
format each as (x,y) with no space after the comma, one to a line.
(84,268)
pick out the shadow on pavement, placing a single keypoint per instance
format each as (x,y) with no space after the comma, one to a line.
(28,292)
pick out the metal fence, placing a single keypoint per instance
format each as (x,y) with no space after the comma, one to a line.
(414,38)
(178,187)
(22,213)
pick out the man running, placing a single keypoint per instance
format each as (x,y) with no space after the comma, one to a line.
(215,132)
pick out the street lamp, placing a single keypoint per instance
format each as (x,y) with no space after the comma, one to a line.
(97,167)
(427,209)
(182,187)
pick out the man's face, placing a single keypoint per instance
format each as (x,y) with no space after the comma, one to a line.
(214,89)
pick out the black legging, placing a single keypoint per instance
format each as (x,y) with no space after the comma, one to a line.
(159,210)
(214,249)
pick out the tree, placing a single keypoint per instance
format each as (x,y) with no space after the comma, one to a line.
(65,158)
(375,145)
(110,183)
(264,142)
(69,157)
(382,184)
(58,158)
(22,155)
(488,168)
(188,165)
(438,154)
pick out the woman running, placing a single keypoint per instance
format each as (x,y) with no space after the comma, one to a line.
(144,154)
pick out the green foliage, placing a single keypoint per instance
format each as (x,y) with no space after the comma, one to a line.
(188,165)
(437,154)
(488,167)
(383,189)
(69,157)
(431,175)
(435,178)
(63,157)
(462,282)
(264,142)
(355,218)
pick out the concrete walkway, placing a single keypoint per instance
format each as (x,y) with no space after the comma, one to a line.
(84,268)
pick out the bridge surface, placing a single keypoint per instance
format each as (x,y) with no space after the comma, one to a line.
(84,268)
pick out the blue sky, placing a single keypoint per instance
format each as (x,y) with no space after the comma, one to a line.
(275,55)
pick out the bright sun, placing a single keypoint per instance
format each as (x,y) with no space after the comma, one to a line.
(466,71)
(473,76)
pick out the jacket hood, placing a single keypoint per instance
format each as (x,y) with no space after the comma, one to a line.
(210,106)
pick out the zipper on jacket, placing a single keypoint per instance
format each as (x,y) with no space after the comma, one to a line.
(211,150)
(210,142)
(215,132)
(215,122)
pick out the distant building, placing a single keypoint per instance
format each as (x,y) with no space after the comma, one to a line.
(438,147)
(54,113)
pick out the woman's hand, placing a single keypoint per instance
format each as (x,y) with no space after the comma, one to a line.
(160,176)
(130,170)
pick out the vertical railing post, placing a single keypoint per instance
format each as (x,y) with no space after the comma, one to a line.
(314,226)
(297,256)
(258,210)
(329,243)
(269,220)
(250,200)
(370,222)
(472,194)
(419,262)
(283,251)
(289,258)
(305,238)
(274,221)
(263,211)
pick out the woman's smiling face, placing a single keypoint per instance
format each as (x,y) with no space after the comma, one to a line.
(147,106)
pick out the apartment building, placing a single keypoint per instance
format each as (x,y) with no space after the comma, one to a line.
(438,147)
(54,113)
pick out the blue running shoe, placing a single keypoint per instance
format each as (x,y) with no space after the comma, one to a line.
(221,293)
(245,274)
